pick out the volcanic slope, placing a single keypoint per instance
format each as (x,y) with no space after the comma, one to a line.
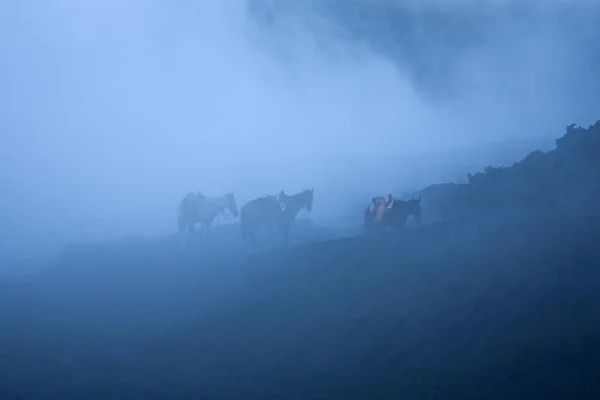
(498,301)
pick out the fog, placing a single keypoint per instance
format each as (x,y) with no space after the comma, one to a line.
(111,111)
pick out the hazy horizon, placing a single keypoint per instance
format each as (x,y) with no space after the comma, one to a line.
(112,111)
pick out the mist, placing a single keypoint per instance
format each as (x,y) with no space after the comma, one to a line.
(110,111)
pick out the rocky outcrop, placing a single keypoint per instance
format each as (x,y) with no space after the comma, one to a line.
(567,176)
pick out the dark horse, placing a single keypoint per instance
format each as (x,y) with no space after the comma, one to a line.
(280,210)
(394,216)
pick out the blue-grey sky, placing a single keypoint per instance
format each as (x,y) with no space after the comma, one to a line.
(110,111)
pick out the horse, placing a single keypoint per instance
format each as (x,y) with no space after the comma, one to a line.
(381,214)
(280,210)
(197,208)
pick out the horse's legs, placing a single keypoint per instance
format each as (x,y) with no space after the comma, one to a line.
(248,236)
(286,237)
(249,229)
(245,231)
(181,236)
(207,230)
(285,230)
(191,234)
(402,222)
(252,238)
(397,225)
(368,221)
(184,234)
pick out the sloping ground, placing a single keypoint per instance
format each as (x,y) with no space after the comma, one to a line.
(74,321)
(223,240)
(504,305)
(496,310)
(468,309)
(16,264)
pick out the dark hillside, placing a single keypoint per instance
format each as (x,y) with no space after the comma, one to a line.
(499,300)
(457,309)
(563,178)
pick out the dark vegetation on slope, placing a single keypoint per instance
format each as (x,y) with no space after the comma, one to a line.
(565,178)
(498,299)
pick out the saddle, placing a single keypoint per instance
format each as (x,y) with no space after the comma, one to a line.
(276,198)
(380,206)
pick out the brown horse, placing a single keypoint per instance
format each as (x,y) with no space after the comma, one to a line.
(393,213)
(280,210)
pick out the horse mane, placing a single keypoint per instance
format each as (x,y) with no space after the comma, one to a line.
(305,191)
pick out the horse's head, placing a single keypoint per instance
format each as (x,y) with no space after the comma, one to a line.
(307,199)
(414,207)
(231,204)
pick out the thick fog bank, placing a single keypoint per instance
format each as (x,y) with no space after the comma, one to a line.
(112,111)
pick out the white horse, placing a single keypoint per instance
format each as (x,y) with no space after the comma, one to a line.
(197,208)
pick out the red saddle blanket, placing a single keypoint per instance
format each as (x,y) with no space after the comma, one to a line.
(378,210)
